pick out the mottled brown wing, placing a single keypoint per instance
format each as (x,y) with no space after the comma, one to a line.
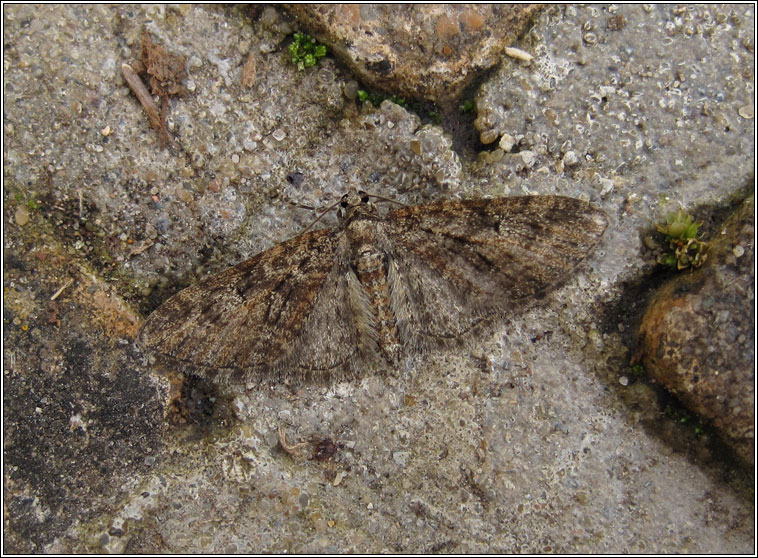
(459,262)
(281,313)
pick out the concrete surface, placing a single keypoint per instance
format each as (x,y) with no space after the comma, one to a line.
(535,437)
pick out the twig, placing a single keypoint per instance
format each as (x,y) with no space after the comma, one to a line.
(59,291)
(141,92)
(139,249)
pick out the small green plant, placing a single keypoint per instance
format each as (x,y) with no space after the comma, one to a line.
(684,417)
(681,232)
(377,98)
(28,201)
(467,106)
(637,370)
(305,51)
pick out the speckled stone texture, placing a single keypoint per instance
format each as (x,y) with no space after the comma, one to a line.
(698,339)
(430,52)
(531,438)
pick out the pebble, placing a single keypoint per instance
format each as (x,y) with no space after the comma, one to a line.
(22,216)
(183,194)
(529,158)
(746,112)
(507,142)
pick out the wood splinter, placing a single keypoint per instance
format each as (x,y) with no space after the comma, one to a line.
(153,115)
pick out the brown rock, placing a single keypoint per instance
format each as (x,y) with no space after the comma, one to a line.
(430,51)
(697,335)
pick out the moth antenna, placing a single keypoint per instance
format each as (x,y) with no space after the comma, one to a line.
(382,198)
(292,202)
(324,212)
(300,205)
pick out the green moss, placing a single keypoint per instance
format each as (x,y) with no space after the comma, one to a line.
(376,99)
(305,51)
(467,106)
(686,251)
(637,370)
(683,417)
(26,198)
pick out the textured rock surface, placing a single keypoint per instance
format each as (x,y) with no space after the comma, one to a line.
(429,52)
(631,84)
(698,339)
(524,441)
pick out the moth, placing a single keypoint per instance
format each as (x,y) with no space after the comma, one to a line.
(331,303)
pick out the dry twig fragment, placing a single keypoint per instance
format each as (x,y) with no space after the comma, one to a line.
(166,73)
(248,71)
(518,54)
(59,291)
(144,97)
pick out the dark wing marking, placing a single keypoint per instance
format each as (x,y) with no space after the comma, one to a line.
(259,316)
(461,261)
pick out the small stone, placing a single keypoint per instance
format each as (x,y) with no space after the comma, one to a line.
(338,478)
(507,142)
(488,136)
(747,112)
(183,194)
(22,216)
(496,155)
(607,186)
(529,158)
(570,158)
(350,90)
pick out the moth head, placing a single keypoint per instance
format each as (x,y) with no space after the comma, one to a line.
(355,202)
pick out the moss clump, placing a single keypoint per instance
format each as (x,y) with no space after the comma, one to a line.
(467,106)
(376,99)
(305,51)
(686,250)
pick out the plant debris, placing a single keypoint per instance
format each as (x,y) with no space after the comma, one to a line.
(144,97)
(248,71)
(166,72)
